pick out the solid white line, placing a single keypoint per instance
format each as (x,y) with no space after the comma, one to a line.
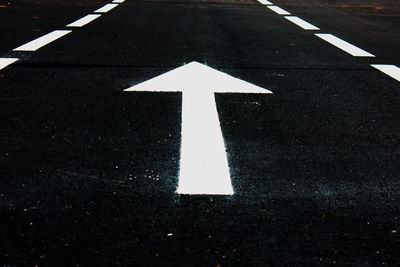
(83,21)
(302,23)
(345,46)
(278,10)
(118,1)
(391,70)
(265,2)
(41,41)
(204,165)
(4,62)
(106,8)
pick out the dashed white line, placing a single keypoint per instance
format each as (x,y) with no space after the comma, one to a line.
(54,35)
(263,2)
(391,70)
(83,21)
(278,10)
(302,23)
(41,41)
(345,46)
(106,8)
(4,62)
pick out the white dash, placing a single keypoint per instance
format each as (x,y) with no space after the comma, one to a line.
(106,8)
(118,1)
(345,46)
(265,2)
(302,23)
(391,70)
(83,21)
(278,10)
(42,41)
(4,62)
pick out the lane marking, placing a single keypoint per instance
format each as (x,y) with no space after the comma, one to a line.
(83,21)
(54,35)
(302,23)
(391,70)
(42,41)
(204,168)
(265,2)
(345,46)
(4,62)
(278,10)
(106,8)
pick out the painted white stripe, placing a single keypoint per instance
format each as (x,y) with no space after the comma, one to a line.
(391,70)
(4,62)
(204,165)
(106,8)
(302,23)
(83,21)
(118,1)
(265,2)
(278,10)
(42,41)
(345,46)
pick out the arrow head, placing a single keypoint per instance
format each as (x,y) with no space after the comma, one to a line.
(196,76)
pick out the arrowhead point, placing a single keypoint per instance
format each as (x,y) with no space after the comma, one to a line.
(196,76)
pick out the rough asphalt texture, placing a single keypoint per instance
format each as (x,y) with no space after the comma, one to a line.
(88,173)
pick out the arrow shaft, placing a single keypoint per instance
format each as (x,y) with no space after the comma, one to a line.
(204,164)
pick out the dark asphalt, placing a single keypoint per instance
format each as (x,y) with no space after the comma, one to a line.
(89,172)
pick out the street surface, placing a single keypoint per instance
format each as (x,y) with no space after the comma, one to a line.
(269,136)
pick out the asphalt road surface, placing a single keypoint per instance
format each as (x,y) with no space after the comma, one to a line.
(89,172)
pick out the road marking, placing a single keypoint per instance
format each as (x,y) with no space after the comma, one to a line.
(345,46)
(42,41)
(265,2)
(106,8)
(204,166)
(83,21)
(118,1)
(278,10)
(302,23)
(391,70)
(4,62)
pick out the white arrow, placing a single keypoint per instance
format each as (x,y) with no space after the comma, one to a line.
(204,164)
